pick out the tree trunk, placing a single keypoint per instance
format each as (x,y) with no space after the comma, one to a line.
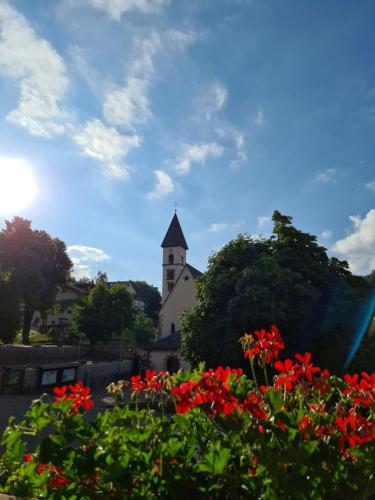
(26,325)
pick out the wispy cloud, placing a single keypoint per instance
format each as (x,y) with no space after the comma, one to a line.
(212,100)
(106,145)
(129,105)
(164,185)
(217,226)
(237,141)
(259,119)
(263,220)
(358,248)
(85,260)
(40,71)
(370,186)
(326,234)
(327,175)
(116,8)
(197,153)
(222,226)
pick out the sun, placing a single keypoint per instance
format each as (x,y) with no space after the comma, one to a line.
(18,188)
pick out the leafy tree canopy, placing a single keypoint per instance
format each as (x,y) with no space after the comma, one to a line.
(10,315)
(37,265)
(151,297)
(104,312)
(286,279)
(141,332)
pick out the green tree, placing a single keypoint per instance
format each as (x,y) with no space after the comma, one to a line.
(141,332)
(286,279)
(10,315)
(105,312)
(151,297)
(38,265)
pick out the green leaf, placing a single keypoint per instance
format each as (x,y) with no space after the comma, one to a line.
(215,461)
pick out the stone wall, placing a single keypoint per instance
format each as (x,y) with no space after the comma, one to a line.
(92,374)
(11,355)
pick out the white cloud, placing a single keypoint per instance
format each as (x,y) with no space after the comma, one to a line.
(212,100)
(129,105)
(263,220)
(370,186)
(85,260)
(326,234)
(325,176)
(197,153)
(181,39)
(164,185)
(106,145)
(259,119)
(116,8)
(217,226)
(359,247)
(221,226)
(236,138)
(40,71)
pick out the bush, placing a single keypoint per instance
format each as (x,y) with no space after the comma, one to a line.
(305,435)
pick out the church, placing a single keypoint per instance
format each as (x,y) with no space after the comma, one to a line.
(178,295)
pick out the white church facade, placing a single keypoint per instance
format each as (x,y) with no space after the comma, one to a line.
(178,295)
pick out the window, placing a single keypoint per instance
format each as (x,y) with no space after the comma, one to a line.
(170,285)
(170,274)
(182,259)
(186,277)
(173,328)
(171,258)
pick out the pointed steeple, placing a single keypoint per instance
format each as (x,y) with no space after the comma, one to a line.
(174,236)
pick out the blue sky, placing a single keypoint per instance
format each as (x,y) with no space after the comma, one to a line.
(231,108)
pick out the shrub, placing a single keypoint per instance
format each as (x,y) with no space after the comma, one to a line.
(306,434)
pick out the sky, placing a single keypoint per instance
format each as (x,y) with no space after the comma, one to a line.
(230,109)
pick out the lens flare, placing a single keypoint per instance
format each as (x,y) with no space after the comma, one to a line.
(18,188)
(366,321)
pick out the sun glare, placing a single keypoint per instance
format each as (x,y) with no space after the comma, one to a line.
(18,187)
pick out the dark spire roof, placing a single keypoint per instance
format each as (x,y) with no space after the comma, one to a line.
(174,236)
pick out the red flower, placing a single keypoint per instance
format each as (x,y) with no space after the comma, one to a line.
(254,403)
(287,375)
(305,368)
(264,344)
(361,390)
(137,385)
(78,394)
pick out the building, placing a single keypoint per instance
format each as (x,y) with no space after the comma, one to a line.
(178,295)
(60,316)
(132,289)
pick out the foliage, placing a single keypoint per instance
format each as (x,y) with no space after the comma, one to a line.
(151,297)
(103,313)
(287,279)
(37,265)
(141,332)
(10,315)
(308,435)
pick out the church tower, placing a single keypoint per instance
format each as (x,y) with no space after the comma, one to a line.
(174,256)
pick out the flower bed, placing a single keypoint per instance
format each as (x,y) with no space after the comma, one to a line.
(303,434)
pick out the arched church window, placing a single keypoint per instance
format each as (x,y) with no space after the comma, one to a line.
(173,328)
(170,285)
(182,259)
(171,258)
(170,274)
